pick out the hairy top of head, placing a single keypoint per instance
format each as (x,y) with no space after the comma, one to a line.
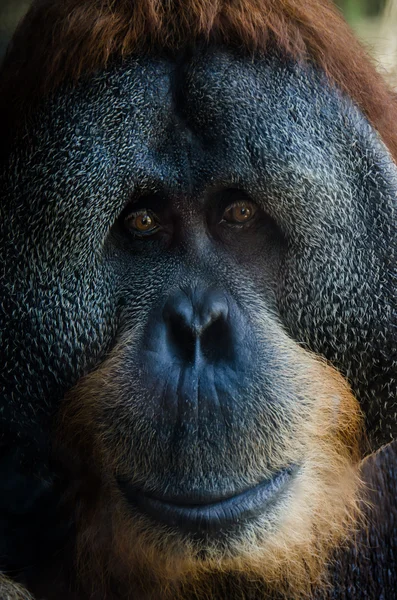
(65,39)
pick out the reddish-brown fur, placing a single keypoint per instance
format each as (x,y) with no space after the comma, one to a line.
(64,39)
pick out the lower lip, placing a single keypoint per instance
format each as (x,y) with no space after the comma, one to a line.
(212,516)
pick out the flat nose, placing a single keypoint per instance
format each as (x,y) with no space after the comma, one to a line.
(197,323)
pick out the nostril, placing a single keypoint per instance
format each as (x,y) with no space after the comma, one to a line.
(216,341)
(197,324)
(178,317)
(184,341)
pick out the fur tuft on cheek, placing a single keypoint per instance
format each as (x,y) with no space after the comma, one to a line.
(12,591)
(282,553)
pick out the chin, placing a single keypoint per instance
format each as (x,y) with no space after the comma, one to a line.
(271,511)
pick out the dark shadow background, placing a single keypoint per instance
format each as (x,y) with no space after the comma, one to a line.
(11,11)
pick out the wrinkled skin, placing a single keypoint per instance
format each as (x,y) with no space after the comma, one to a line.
(186,138)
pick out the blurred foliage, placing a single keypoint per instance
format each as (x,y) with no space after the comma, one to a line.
(11,11)
(357,9)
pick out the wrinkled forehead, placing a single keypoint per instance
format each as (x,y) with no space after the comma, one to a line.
(211,116)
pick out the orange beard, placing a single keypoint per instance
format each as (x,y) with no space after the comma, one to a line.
(282,554)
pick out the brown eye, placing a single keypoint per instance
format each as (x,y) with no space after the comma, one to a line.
(239,212)
(142,222)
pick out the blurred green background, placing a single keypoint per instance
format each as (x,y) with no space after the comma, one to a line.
(375,22)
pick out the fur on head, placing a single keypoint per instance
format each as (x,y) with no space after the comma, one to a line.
(282,553)
(65,39)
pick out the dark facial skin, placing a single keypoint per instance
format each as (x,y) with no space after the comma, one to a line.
(191,360)
(190,146)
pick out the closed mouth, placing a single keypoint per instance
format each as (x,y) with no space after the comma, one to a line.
(207,516)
